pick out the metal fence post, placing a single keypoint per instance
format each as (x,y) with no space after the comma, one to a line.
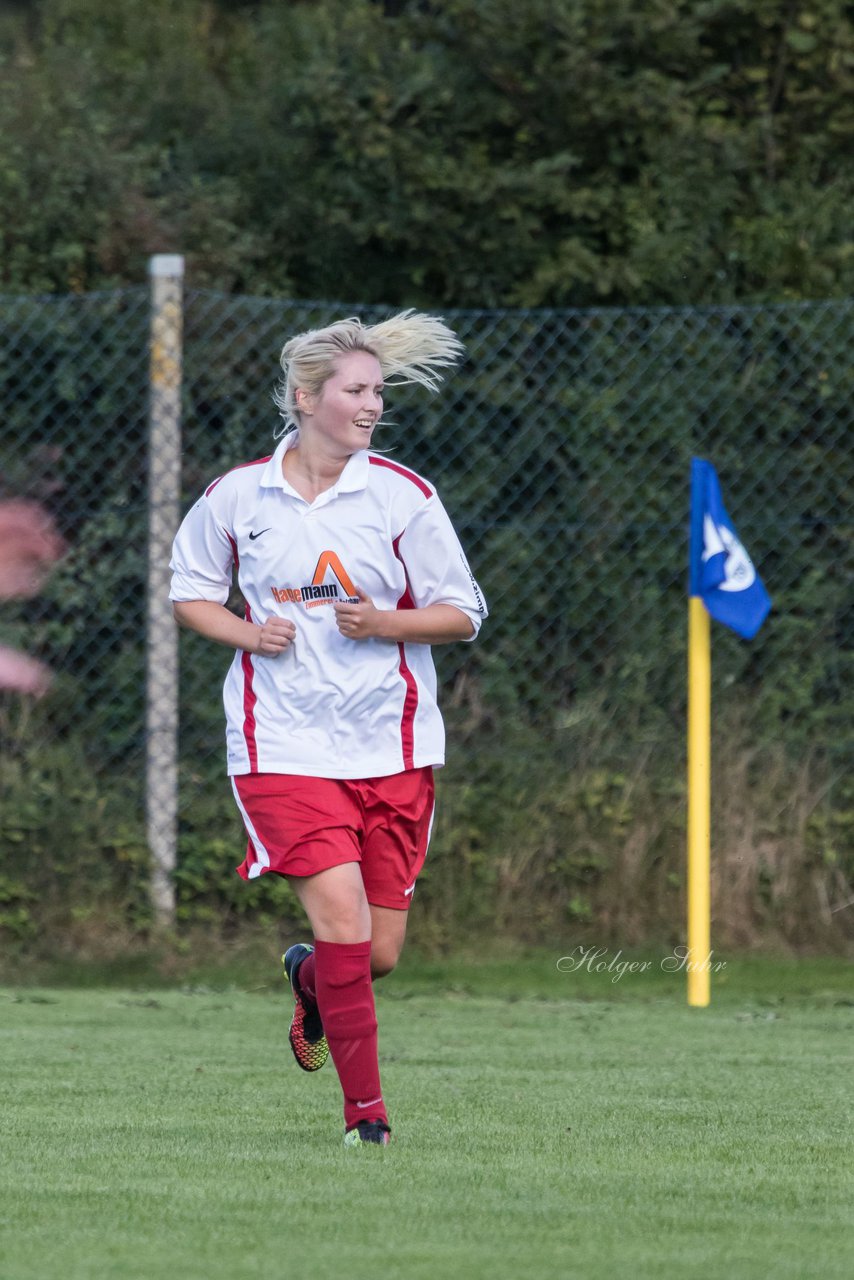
(164,484)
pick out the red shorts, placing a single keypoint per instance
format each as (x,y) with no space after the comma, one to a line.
(298,826)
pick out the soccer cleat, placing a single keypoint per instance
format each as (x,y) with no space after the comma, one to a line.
(306,1034)
(368,1132)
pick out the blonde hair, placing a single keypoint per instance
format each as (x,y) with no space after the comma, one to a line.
(411,347)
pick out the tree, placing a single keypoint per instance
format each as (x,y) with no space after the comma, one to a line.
(463,152)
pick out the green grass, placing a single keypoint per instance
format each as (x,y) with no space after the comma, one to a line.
(546,1124)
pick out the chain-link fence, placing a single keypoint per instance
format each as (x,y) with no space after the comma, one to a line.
(561,449)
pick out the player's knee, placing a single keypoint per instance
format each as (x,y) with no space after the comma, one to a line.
(383,960)
(343,918)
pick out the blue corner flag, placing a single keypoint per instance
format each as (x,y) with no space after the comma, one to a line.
(721,571)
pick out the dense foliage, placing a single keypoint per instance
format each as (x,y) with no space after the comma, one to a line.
(457,152)
(562,450)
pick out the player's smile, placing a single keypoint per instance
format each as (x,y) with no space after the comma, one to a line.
(349,405)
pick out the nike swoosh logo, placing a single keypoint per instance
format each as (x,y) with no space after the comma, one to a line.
(372,1103)
(253,536)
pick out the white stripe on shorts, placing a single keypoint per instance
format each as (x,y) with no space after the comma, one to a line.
(263,857)
(409,892)
(430,829)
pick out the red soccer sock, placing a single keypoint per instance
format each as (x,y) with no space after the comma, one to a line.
(345,997)
(306,979)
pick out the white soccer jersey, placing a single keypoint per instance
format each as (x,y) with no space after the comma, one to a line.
(327,706)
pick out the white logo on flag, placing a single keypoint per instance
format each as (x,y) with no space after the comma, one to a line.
(738,567)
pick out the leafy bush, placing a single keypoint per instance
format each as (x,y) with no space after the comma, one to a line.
(536,839)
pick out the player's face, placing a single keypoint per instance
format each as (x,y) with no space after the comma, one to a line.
(349,405)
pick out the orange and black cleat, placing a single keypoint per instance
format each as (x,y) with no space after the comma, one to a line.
(306,1034)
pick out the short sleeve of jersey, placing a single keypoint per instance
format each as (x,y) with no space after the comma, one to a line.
(202,557)
(436,566)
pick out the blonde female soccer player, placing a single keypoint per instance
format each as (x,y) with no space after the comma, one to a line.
(351,570)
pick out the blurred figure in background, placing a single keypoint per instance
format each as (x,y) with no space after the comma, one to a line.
(29,546)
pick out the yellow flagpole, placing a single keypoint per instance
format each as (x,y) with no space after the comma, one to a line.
(699,801)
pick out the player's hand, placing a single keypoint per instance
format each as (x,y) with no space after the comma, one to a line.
(276,635)
(358,621)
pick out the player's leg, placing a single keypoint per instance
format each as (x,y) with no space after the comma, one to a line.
(398,822)
(334,901)
(338,975)
(310,831)
(388,934)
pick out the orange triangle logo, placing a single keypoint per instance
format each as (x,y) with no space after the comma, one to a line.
(329,560)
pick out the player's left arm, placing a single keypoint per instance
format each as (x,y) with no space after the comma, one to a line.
(446,602)
(434,624)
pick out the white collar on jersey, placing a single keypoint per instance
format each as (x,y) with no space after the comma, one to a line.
(352,478)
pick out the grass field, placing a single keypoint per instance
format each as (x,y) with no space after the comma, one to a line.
(546,1124)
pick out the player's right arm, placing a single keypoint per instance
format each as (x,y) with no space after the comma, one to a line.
(202,558)
(215,622)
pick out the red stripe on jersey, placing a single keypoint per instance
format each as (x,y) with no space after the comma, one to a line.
(403,471)
(406,601)
(410,706)
(250,697)
(256,462)
(233,550)
(410,701)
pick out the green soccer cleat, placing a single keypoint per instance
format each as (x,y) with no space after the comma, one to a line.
(368,1133)
(306,1034)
